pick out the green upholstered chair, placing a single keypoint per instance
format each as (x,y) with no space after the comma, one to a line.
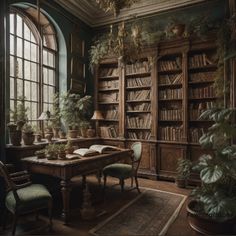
(23,197)
(125,171)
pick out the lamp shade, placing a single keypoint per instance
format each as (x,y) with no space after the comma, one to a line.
(97,115)
(45,115)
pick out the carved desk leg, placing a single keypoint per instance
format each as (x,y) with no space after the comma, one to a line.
(65,190)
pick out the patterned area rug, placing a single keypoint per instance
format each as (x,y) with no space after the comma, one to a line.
(150,213)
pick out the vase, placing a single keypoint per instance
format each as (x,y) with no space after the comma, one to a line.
(15,137)
(207,225)
(72,133)
(28,138)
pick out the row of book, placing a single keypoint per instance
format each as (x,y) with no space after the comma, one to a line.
(203,92)
(108,131)
(111,115)
(108,84)
(195,134)
(170,114)
(108,72)
(138,67)
(202,76)
(199,60)
(171,133)
(139,135)
(171,93)
(135,82)
(171,79)
(141,121)
(110,97)
(138,95)
(139,107)
(195,109)
(170,64)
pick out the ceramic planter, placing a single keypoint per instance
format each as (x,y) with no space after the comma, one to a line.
(206,225)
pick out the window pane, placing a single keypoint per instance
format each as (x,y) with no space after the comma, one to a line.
(45,75)
(12,66)
(20,68)
(19,47)
(51,77)
(27,70)
(12,88)
(19,26)
(27,90)
(34,111)
(26,50)
(51,59)
(12,23)
(45,93)
(26,32)
(33,52)
(33,38)
(27,105)
(34,71)
(12,44)
(45,57)
(19,88)
(12,105)
(34,92)
(51,93)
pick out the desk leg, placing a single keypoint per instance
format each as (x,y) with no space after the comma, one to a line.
(65,190)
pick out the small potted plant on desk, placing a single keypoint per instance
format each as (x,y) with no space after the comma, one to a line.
(183,172)
(61,150)
(51,152)
(212,209)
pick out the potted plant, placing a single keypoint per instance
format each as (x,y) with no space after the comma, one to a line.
(40,154)
(183,172)
(51,152)
(61,150)
(28,134)
(74,109)
(84,125)
(56,116)
(213,209)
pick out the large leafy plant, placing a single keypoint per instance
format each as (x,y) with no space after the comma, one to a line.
(75,109)
(217,194)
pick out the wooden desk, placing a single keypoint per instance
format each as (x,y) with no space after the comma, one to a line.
(66,169)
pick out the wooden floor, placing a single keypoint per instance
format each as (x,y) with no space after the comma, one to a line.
(104,206)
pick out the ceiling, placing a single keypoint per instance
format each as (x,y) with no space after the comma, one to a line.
(90,13)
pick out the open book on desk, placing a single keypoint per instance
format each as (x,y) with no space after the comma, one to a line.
(95,150)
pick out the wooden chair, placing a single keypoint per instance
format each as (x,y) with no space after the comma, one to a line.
(23,197)
(125,171)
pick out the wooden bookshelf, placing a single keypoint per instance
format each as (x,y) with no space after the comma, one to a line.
(159,103)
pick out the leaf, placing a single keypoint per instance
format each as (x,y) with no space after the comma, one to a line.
(211,174)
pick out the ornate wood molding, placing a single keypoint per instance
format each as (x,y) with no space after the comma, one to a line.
(89,12)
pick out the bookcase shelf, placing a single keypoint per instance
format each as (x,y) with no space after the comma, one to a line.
(159,103)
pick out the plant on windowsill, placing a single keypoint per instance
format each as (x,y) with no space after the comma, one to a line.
(74,110)
(28,134)
(183,172)
(213,209)
(56,116)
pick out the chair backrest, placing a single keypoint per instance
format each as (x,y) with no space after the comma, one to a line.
(4,173)
(137,149)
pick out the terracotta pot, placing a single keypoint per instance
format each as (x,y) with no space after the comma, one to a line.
(28,138)
(206,225)
(83,132)
(15,137)
(72,133)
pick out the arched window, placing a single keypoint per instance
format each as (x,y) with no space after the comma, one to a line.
(33,62)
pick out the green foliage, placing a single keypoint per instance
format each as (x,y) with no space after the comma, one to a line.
(217,193)
(20,112)
(183,168)
(27,128)
(75,109)
(55,113)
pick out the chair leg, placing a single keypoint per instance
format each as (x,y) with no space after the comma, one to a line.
(50,215)
(122,183)
(15,218)
(104,183)
(132,181)
(136,181)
